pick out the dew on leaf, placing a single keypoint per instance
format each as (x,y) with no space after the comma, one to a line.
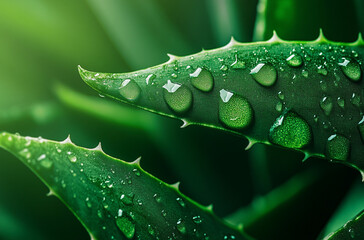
(341,102)
(197,219)
(305,73)
(279,106)
(72,158)
(178,97)
(234,110)
(265,74)
(202,79)
(180,202)
(355,100)
(129,90)
(181,226)
(127,199)
(126,226)
(150,78)
(322,70)
(350,68)
(290,130)
(361,129)
(237,64)
(326,105)
(337,147)
(294,60)
(280,95)
(136,172)
(157,198)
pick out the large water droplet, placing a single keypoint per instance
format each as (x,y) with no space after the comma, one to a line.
(294,60)
(350,68)
(290,130)
(361,129)
(337,147)
(126,226)
(326,105)
(202,79)
(129,90)
(265,74)
(234,110)
(178,97)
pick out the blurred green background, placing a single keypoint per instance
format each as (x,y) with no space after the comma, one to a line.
(41,94)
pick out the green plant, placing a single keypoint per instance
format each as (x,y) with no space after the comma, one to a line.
(305,96)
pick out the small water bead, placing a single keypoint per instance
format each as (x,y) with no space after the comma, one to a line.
(265,74)
(157,198)
(305,73)
(280,95)
(337,147)
(237,64)
(72,158)
(326,105)
(341,102)
(361,129)
(224,68)
(234,110)
(130,90)
(88,203)
(126,226)
(294,60)
(202,79)
(46,163)
(150,78)
(291,131)
(181,226)
(355,100)
(127,199)
(322,70)
(279,106)
(351,233)
(180,202)
(136,172)
(151,230)
(173,75)
(25,153)
(350,68)
(178,97)
(197,219)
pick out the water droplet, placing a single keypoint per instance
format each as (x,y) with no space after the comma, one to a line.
(238,64)
(341,102)
(294,60)
(197,219)
(157,198)
(181,226)
(129,90)
(355,100)
(151,230)
(322,70)
(178,97)
(265,74)
(173,75)
(361,129)
(350,68)
(150,78)
(234,110)
(291,131)
(280,95)
(326,105)
(202,79)
(136,172)
(25,153)
(72,158)
(351,233)
(46,163)
(120,212)
(279,106)
(126,227)
(180,202)
(224,68)
(41,157)
(305,73)
(88,203)
(127,199)
(337,147)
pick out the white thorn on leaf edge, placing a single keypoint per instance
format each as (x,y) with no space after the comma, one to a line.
(136,161)
(67,140)
(250,144)
(176,185)
(98,148)
(185,123)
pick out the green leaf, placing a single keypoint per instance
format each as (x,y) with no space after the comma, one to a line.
(281,93)
(113,198)
(353,229)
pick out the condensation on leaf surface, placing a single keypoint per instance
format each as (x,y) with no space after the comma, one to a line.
(178,97)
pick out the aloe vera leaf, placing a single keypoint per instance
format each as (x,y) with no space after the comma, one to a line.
(286,17)
(353,229)
(279,207)
(309,93)
(123,200)
(142,41)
